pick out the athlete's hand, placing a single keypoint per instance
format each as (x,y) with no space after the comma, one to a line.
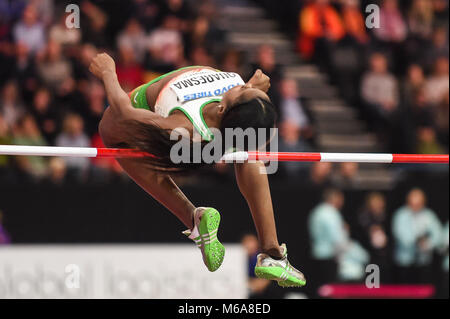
(260,81)
(102,63)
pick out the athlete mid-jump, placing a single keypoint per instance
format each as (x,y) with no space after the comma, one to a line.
(144,120)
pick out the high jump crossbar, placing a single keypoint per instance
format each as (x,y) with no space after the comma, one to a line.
(230,157)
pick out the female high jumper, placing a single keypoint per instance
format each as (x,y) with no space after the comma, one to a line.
(145,118)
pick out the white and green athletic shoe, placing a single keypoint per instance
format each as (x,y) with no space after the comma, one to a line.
(279,270)
(204,234)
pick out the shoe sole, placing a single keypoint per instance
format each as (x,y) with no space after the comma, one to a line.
(213,250)
(280,275)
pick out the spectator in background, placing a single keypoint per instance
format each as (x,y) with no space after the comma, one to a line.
(68,97)
(200,56)
(441,12)
(73,136)
(417,115)
(11,108)
(94,21)
(45,10)
(232,61)
(53,68)
(83,77)
(257,286)
(415,80)
(165,45)
(320,26)
(295,125)
(203,34)
(148,13)
(421,19)
(57,171)
(392,33)
(96,104)
(24,70)
(45,114)
(30,31)
(379,87)
(129,71)
(347,176)
(417,233)
(179,9)
(266,61)
(64,36)
(291,107)
(427,142)
(347,56)
(6,47)
(439,48)
(208,8)
(393,28)
(441,119)
(86,53)
(352,262)
(27,133)
(291,141)
(380,96)
(422,132)
(421,24)
(354,22)
(437,85)
(420,109)
(320,175)
(374,234)
(328,235)
(134,38)
(336,255)
(4,236)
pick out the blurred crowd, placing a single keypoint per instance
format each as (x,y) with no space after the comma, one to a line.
(409,245)
(403,243)
(48,96)
(396,72)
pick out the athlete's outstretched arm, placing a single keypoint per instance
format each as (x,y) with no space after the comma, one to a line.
(104,68)
(254,186)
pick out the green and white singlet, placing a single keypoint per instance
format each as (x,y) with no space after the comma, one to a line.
(189,92)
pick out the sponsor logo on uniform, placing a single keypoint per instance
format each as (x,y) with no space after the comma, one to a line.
(217,92)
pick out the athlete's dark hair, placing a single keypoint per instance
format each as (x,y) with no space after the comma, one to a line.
(254,114)
(150,138)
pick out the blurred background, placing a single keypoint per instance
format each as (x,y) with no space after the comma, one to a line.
(338,86)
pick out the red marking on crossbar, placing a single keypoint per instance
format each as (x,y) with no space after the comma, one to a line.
(417,158)
(118,152)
